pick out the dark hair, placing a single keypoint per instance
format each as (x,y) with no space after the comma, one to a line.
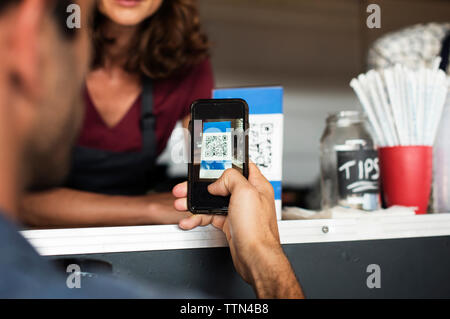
(167,42)
(7,3)
(59,12)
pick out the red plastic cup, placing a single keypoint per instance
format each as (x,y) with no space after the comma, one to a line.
(406,173)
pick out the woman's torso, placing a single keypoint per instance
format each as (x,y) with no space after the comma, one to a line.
(119,158)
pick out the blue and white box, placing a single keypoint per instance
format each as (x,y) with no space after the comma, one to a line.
(266,130)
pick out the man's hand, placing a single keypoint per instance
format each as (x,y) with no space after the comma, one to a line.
(251,231)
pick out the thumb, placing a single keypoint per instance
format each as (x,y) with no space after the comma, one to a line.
(227,183)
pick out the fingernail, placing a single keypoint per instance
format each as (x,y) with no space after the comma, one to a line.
(181,225)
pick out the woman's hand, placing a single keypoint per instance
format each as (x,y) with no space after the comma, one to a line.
(65,207)
(160,209)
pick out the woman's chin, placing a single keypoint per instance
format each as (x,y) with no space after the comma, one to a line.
(131,19)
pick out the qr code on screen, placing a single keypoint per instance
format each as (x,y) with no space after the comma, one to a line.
(216,147)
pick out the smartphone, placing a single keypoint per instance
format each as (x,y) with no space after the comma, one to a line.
(218,141)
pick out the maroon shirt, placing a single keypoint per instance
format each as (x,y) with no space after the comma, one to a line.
(172,99)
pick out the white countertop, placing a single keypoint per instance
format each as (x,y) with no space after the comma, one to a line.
(72,241)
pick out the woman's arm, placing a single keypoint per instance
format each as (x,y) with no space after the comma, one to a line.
(64,207)
(185,121)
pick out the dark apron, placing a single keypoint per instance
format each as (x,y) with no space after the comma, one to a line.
(118,173)
(445,51)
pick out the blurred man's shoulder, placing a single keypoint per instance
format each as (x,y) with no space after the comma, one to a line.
(26,274)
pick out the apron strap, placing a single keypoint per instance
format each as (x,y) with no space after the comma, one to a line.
(147,117)
(445,52)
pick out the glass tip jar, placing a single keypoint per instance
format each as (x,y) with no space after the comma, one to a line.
(349,163)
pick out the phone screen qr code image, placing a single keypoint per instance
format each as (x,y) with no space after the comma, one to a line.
(217,146)
(216,149)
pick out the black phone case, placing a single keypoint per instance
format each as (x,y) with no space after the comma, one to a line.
(213,210)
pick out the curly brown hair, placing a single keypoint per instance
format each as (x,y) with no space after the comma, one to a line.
(167,42)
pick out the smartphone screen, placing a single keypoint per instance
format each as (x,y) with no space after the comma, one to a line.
(218,142)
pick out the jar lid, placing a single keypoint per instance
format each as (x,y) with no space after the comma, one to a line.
(345,117)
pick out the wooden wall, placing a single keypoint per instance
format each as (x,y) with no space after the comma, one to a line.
(311,47)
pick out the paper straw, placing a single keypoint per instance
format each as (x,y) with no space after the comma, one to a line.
(367,108)
(396,111)
(399,96)
(412,105)
(365,85)
(421,101)
(386,107)
(404,106)
(436,63)
(415,104)
(378,107)
(428,80)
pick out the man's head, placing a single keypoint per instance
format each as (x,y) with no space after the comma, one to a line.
(42,68)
